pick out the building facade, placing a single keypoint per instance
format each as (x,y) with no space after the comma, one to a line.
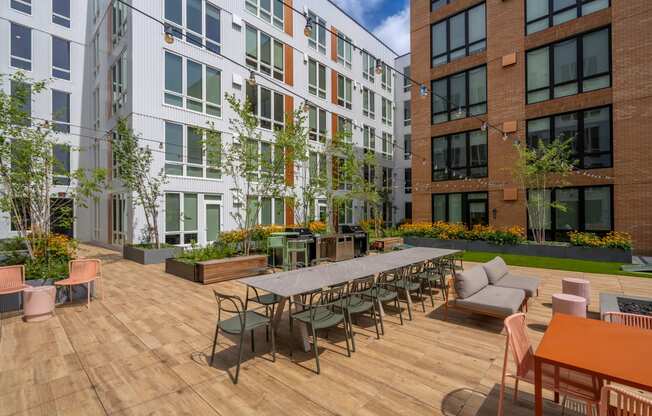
(533,70)
(403,136)
(114,63)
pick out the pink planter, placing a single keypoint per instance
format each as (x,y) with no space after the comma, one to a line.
(39,303)
(577,287)
(569,304)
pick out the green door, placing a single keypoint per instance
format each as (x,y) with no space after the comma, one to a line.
(212,222)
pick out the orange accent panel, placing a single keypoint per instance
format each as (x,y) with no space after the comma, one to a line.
(333,43)
(288,16)
(510,194)
(510,126)
(334,125)
(289,211)
(334,85)
(289,65)
(509,59)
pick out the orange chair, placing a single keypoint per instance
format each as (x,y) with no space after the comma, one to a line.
(629,319)
(625,403)
(12,280)
(563,381)
(83,271)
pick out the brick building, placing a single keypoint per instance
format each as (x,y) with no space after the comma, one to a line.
(535,69)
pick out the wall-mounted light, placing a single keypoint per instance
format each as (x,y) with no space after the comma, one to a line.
(169,35)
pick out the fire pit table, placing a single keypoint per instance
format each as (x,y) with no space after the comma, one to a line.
(615,302)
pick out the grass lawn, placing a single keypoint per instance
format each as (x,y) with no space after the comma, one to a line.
(586,266)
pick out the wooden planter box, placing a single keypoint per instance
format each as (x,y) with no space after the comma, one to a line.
(387,243)
(213,271)
(149,255)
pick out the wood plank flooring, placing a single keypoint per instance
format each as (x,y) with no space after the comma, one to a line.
(144,350)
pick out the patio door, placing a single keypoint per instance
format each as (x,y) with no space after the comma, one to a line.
(213,216)
(119,218)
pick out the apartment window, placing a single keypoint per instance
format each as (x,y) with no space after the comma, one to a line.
(388,178)
(96,10)
(588,130)
(202,22)
(386,75)
(407,146)
(61,12)
(199,90)
(96,53)
(186,154)
(181,214)
(344,50)
(408,211)
(369,173)
(119,83)
(264,53)
(317,124)
(569,67)
(368,103)
(61,168)
(317,38)
(464,94)
(542,14)
(408,180)
(60,58)
(407,82)
(317,165)
(345,128)
(369,138)
(388,146)
(585,209)
(268,106)
(270,11)
(386,111)
(459,156)
(436,4)
(407,112)
(96,109)
(344,91)
(272,211)
(368,66)
(469,208)
(457,36)
(345,212)
(21,47)
(118,21)
(316,78)
(24,6)
(61,111)
(22,93)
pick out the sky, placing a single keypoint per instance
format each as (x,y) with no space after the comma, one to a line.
(387,19)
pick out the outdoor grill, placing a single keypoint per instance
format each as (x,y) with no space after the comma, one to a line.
(304,234)
(360,240)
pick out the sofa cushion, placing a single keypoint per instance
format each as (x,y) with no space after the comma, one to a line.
(528,284)
(495,269)
(470,281)
(494,301)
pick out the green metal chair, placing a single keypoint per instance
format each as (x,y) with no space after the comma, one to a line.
(408,283)
(269,300)
(322,310)
(382,292)
(432,277)
(243,321)
(293,248)
(356,303)
(275,243)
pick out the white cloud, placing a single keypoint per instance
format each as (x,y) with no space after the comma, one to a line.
(395,31)
(358,8)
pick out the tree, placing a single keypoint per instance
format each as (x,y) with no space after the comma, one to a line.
(29,167)
(537,169)
(134,165)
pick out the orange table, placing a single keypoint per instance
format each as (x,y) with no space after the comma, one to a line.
(608,351)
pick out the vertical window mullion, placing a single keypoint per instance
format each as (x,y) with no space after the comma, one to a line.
(551,70)
(580,64)
(580,137)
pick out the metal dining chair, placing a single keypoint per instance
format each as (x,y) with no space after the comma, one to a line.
(408,283)
(243,320)
(384,291)
(355,303)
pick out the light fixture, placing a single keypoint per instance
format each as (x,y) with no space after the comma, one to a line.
(459,112)
(252,79)
(169,36)
(423,90)
(307,30)
(379,66)
(484,126)
(160,145)
(504,136)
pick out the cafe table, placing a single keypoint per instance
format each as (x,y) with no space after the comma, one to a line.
(609,352)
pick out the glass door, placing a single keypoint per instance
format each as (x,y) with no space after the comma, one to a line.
(213,212)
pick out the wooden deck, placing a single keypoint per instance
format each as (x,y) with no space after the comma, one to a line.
(144,350)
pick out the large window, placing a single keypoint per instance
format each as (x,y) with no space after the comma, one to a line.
(407,82)
(181,218)
(264,53)
(369,138)
(60,58)
(407,112)
(368,103)
(200,19)
(588,130)
(268,106)
(585,209)
(460,95)
(270,11)
(459,156)
(61,168)
(317,124)
(569,67)
(61,111)
(368,66)
(542,14)
(119,82)
(317,38)
(316,78)
(186,154)
(344,128)
(198,88)
(407,146)
(387,148)
(460,35)
(344,50)
(408,180)
(118,21)
(386,111)
(467,208)
(24,6)
(61,12)
(21,47)
(386,75)
(344,91)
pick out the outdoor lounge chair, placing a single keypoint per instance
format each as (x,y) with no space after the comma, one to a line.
(499,275)
(12,280)
(475,294)
(82,272)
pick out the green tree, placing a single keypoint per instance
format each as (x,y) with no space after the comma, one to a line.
(538,169)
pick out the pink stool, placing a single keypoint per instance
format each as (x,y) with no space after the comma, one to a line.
(577,287)
(39,303)
(569,304)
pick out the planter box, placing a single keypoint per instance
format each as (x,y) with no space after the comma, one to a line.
(10,303)
(387,243)
(559,251)
(149,256)
(213,271)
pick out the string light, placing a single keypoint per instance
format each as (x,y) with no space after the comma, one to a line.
(379,67)
(169,36)
(252,78)
(307,30)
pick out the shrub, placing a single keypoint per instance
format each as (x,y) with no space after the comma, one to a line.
(613,239)
(317,227)
(211,252)
(445,231)
(51,256)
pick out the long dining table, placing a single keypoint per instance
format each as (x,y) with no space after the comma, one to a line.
(303,280)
